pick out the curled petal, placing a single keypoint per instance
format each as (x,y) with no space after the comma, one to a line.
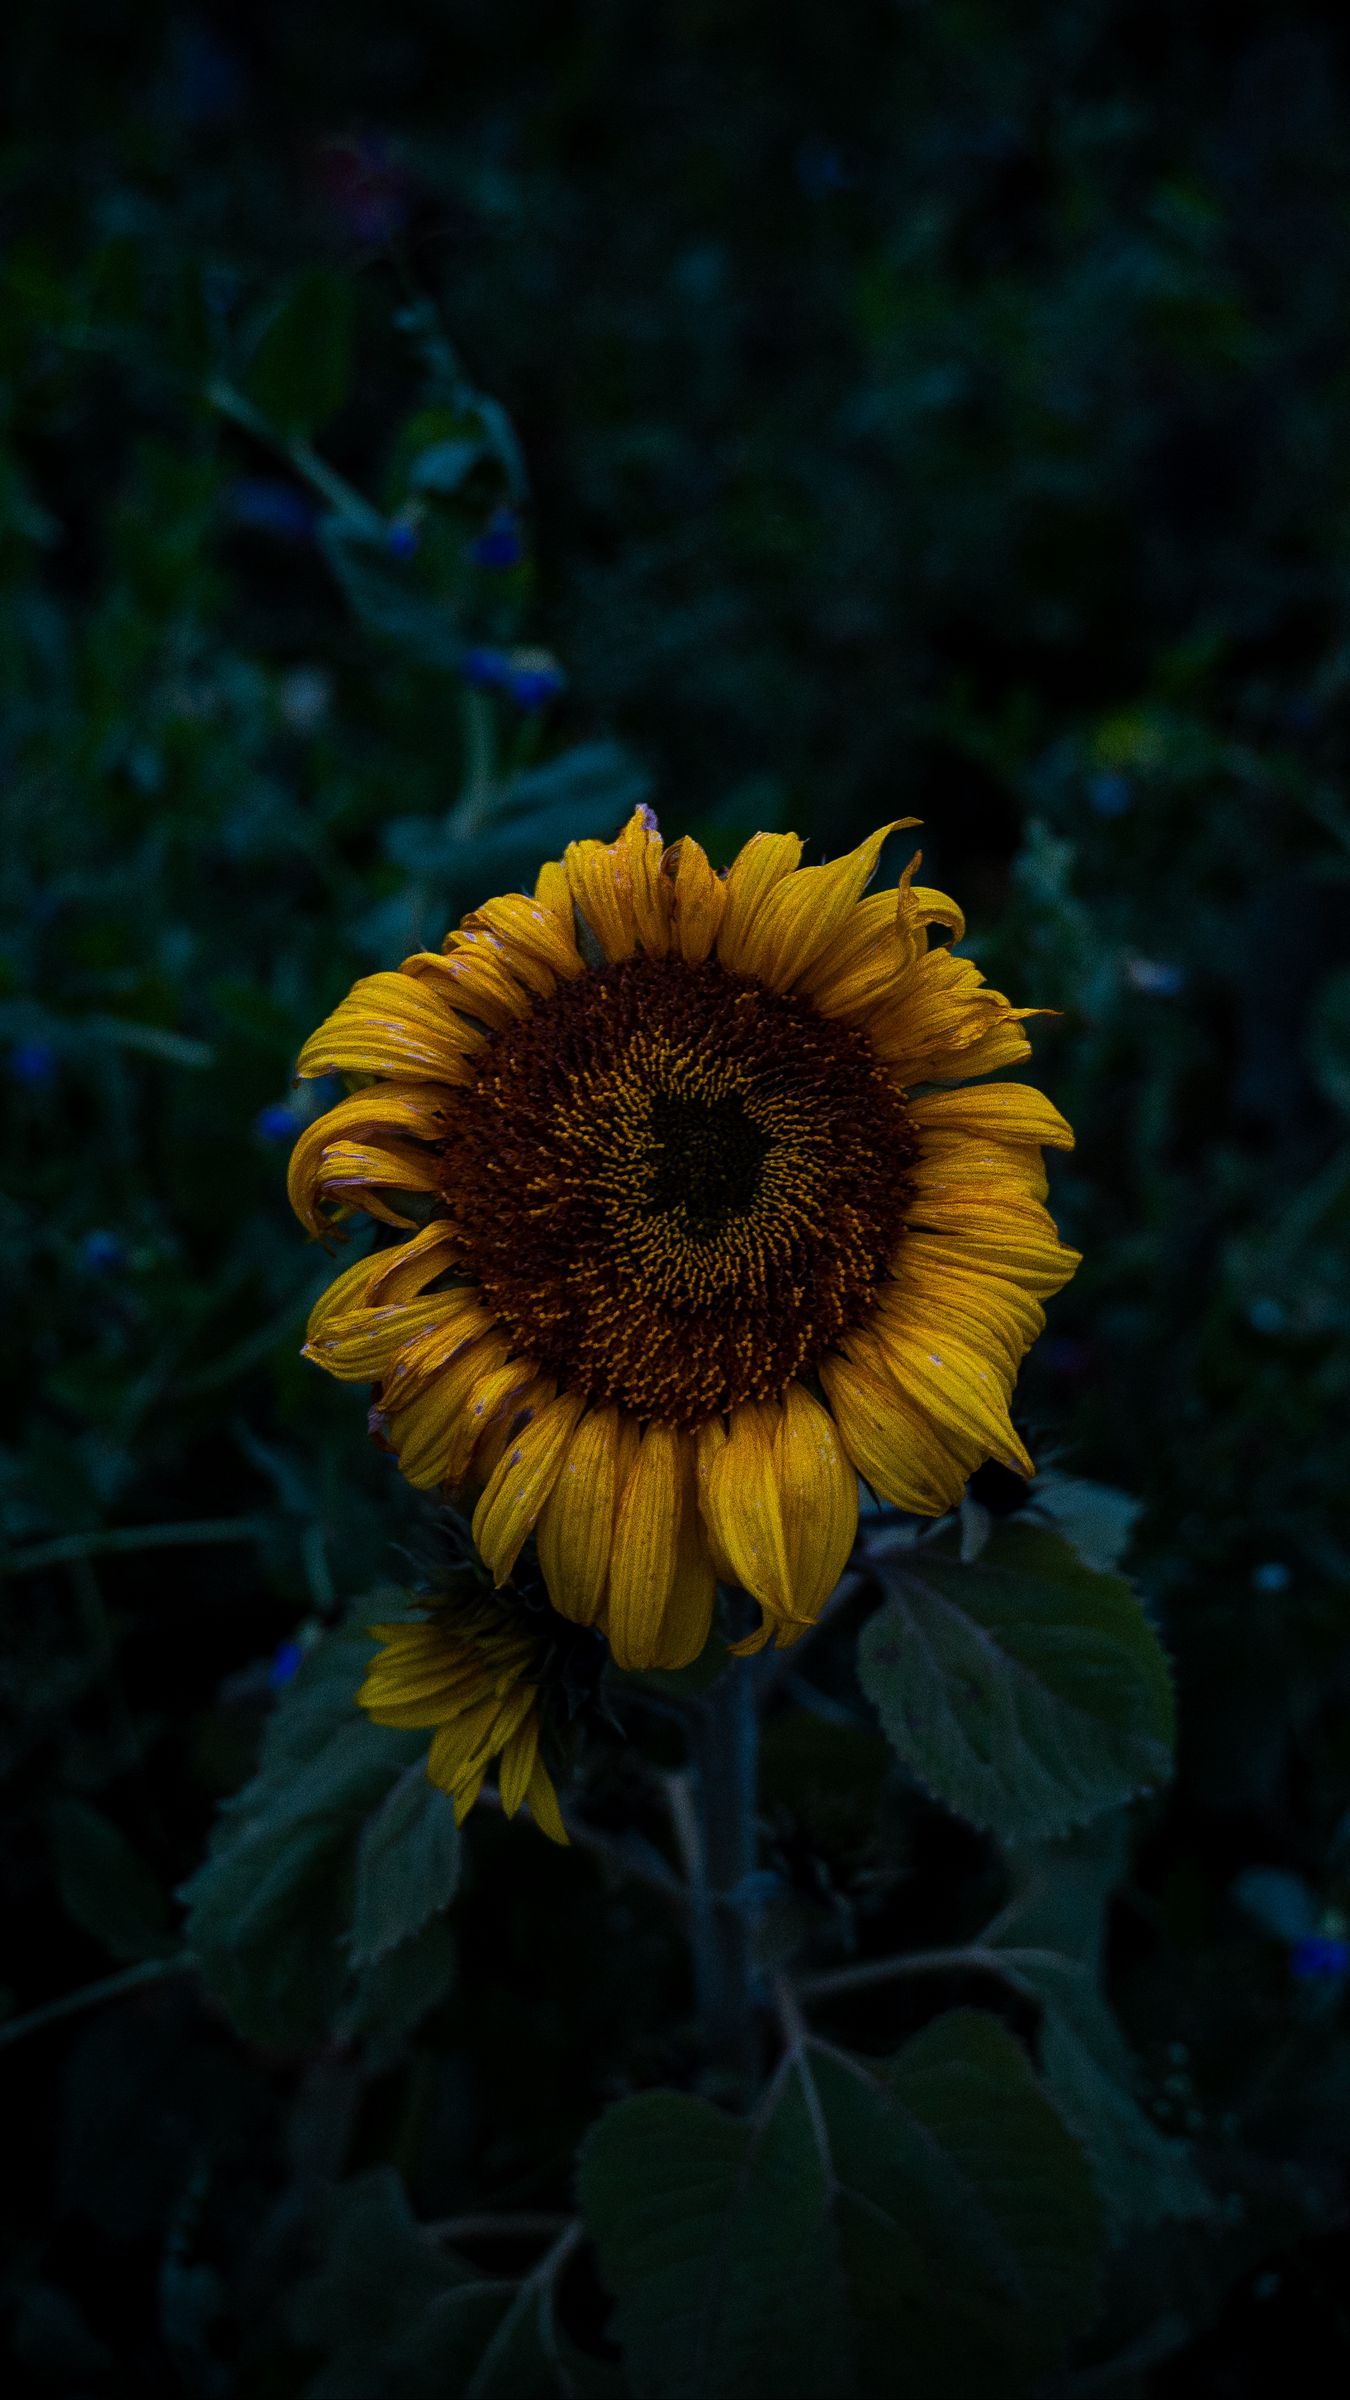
(387,1115)
(392,1024)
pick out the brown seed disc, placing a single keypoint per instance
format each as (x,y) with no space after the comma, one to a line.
(676,1188)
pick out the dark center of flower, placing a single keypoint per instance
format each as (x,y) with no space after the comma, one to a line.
(677,1189)
(705,1158)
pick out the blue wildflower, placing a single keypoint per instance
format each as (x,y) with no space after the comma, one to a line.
(402,539)
(1110,795)
(101,1253)
(33,1063)
(1273,1576)
(287,1659)
(533,678)
(486,670)
(500,543)
(263,504)
(275,1123)
(1320,1958)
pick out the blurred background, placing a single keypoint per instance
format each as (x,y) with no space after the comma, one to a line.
(424,431)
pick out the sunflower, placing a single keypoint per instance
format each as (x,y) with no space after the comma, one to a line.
(472,1671)
(699,1227)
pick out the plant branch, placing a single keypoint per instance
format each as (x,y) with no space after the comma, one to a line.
(516,2226)
(974,1959)
(91,1995)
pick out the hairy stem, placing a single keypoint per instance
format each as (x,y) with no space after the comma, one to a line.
(725,1785)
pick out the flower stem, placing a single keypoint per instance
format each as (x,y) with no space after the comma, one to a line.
(725,1785)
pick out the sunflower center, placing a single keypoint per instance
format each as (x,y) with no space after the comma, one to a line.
(705,1158)
(676,1188)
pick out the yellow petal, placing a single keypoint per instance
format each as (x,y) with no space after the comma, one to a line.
(819,1500)
(576,1530)
(863,964)
(890,1446)
(430,1354)
(752,875)
(391,1024)
(518,1761)
(617,886)
(542,1802)
(488,1418)
(743,1505)
(927,907)
(363,1347)
(782,1503)
(1025,1253)
(639,853)
(383,1112)
(963,1393)
(800,917)
(642,1564)
(471,974)
(429,1432)
(1011,1112)
(687,1620)
(535,943)
(521,1483)
(699,900)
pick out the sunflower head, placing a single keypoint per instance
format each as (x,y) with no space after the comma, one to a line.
(698,1223)
(481,1674)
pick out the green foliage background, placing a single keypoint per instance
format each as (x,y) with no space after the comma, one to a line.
(934,408)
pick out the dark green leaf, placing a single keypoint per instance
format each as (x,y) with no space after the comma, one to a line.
(407,1865)
(1052,1935)
(398,2314)
(390,1997)
(927,2229)
(270,1907)
(105,1886)
(1027,1692)
(1096,1520)
(301,368)
(384,594)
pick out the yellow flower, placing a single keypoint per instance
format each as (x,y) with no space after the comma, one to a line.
(700,1230)
(472,1670)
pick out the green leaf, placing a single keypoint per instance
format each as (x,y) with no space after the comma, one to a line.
(926,2227)
(383,592)
(1052,1935)
(1025,1691)
(407,1865)
(398,2314)
(270,1908)
(301,368)
(1095,1519)
(105,1885)
(390,1997)
(1329,1039)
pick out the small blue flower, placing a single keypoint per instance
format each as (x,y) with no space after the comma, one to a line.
(1156,977)
(264,504)
(486,670)
(33,1063)
(500,544)
(286,1660)
(533,678)
(275,1123)
(1110,795)
(402,539)
(1273,1576)
(101,1253)
(1320,1958)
